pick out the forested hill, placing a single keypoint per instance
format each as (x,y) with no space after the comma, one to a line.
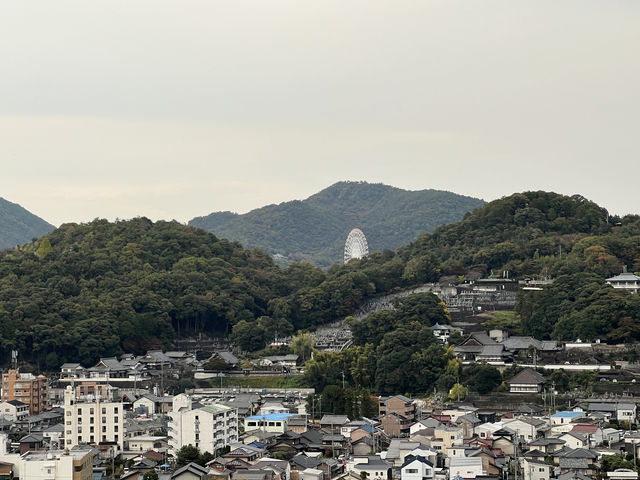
(18,225)
(101,288)
(315,229)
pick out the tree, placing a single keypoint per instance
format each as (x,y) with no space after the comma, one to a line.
(302,345)
(186,455)
(457,392)
(150,475)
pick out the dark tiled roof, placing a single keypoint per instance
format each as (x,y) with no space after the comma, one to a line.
(527,376)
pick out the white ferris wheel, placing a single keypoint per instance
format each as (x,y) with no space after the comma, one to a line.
(356,245)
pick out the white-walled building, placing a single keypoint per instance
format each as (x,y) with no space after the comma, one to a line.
(417,468)
(93,419)
(208,427)
(466,467)
(14,410)
(536,470)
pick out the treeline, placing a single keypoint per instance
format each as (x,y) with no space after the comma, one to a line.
(101,288)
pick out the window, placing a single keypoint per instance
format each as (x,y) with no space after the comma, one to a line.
(104,429)
(79,411)
(115,429)
(90,419)
(541,469)
(104,419)
(79,429)
(115,409)
(411,470)
(91,411)
(115,439)
(115,419)
(90,429)
(104,410)
(68,413)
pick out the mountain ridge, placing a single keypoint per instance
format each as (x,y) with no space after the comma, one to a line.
(19,226)
(314,229)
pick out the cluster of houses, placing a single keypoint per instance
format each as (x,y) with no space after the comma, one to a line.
(461,442)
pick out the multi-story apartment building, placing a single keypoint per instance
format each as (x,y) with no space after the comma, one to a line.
(95,419)
(208,427)
(27,388)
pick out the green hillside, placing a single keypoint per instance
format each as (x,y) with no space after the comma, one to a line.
(101,288)
(18,226)
(315,229)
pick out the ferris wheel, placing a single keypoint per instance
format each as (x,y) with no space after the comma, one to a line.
(356,245)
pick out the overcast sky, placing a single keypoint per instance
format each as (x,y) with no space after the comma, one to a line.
(174,109)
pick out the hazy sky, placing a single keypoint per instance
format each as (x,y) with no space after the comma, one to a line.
(174,109)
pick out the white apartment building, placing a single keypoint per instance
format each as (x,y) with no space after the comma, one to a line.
(208,427)
(93,419)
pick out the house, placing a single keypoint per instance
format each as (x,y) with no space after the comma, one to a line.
(473,345)
(465,467)
(547,445)
(468,423)
(281,467)
(333,421)
(527,428)
(31,443)
(146,443)
(396,425)
(526,409)
(108,368)
(311,474)
(191,471)
(443,332)
(153,404)
(416,468)
(593,432)
(579,460)
(14,410)
(399,404)
(527,381)
(625,281)
(370,465)
(620,411)
(72,370)
(623,474)
(574,439)
(565,418)
(274,422)
(535,469)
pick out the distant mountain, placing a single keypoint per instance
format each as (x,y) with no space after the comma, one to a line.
(315,229)
(19,226)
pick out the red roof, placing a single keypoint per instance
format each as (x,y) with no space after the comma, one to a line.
(585,428)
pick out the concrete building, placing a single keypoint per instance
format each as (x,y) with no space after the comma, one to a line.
(14,410)
(95,419)
(208,427)
(51,465)
(27,388)
(273,422)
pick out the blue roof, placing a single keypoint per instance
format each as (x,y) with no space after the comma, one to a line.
(272,416)
(566,414)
